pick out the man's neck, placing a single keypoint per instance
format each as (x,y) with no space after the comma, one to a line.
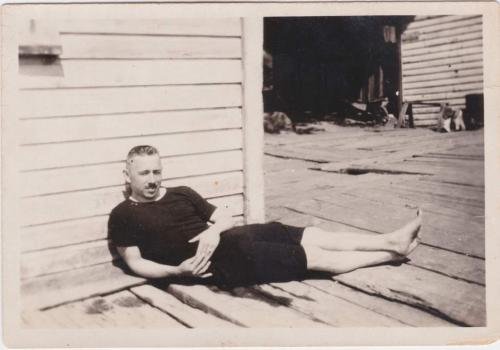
(159,196)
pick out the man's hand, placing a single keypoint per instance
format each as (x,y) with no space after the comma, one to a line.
(192,268)
(208,241)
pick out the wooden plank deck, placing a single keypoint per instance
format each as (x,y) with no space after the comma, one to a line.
(361,180)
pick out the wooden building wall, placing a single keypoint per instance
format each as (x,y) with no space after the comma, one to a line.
(174,83)
(442,62)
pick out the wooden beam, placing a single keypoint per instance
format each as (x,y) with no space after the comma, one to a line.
(109,100)
(95,46)
(460,302)
(122,309)
(151,26)
(330,309)
(452,32)
(253,132)
(409,46)
(445,25)
(82,204)
(59,288)
(402,312)
(242,306)
(186,314)
(91,152)
(60,180)
(120,72)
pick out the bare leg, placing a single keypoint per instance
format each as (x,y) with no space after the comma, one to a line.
(397,241)
(345,261)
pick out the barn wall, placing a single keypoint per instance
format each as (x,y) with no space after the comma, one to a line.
(442,62)
(175,84)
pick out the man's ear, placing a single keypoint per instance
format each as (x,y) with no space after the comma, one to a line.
(126,176)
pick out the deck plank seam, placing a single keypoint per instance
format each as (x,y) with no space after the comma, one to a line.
(422,307)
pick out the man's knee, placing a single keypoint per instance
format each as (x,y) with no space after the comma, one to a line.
(312,236)
(316,257)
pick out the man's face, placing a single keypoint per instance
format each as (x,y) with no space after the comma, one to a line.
(143,173)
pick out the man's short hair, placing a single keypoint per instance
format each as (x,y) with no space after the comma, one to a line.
(141,150)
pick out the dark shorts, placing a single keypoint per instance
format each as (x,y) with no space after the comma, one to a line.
(259,253)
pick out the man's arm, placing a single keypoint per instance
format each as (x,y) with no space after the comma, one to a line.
(209,239)
(150,269)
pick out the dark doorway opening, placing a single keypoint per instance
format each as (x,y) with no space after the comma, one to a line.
(319,66)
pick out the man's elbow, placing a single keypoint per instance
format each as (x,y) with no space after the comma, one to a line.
(135,265)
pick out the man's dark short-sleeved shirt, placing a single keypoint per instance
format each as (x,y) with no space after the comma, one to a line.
(161,229)
(248,254)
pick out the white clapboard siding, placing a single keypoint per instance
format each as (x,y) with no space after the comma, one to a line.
(98,46)
(81,204)
(78,231)
(411,45)
(88,101)
(123,125)
(441,63)
(424,51)
(449,32)
(166,26)
(58,258)
(437,20)
(443,82)
(443,96)
(442,25)
(417,72)
(64,233)
(434,56)
(65,258)
(99,73)
(103,151)
(444,61)
(106,175)
(425,109)
(462,73)
(452,86)
(425,123)
(174,83)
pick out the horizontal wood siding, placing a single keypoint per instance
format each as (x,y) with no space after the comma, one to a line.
(175,84)
(442,61)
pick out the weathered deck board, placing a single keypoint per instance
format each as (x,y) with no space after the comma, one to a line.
(453,203)
(459,301)
(58,288)
(389,195)
(242,307)
(435,218)
(402,312)
(449,263)
(438,260)
(469,206)
(471,175)
(119,310)
(461,232)
(325,307)
(193,318)
(359,215)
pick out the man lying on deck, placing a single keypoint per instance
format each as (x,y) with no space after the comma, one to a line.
(163,232)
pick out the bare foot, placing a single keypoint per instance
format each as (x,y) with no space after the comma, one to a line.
(404,240)
(414,244)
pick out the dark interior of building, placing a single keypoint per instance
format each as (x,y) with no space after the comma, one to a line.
(319,66)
